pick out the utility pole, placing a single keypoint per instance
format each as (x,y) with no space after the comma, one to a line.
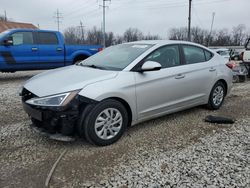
(189,20)
(211,29)
(104,32)
(82,31)
(5,16)
(58,17)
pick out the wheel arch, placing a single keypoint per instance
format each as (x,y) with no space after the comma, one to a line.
(80,57)
(224,83)
(126,105)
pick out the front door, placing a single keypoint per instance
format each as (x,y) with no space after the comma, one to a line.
(160,91)
(22,53)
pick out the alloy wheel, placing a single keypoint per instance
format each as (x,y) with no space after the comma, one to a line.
(108,123)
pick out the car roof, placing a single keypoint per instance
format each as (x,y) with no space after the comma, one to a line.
(165,42)
(20,29)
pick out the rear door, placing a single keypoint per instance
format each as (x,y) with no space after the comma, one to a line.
(200,73)
(22,52)
(51,52)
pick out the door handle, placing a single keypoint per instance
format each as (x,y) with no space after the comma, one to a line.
(212,69)
(179,76)
(59,49)
(34,49)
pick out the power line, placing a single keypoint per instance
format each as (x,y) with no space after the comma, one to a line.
(82,31)
(189,20)
(5,15)
(103,22)
(211,29)
(58,17)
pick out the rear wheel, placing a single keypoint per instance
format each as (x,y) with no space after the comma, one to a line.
(79,59)
(217,96)
(105,123)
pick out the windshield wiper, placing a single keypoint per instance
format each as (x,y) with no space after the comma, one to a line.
(92,66)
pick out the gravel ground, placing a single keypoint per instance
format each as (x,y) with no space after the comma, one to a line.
(178,150)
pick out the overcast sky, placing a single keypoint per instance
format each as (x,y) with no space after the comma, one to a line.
(150,16)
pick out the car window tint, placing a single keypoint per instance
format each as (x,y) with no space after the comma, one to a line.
(193,54)
(22,38)
(47,38)
(208,55)
(167,56)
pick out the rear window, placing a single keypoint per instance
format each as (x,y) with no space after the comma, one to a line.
(193,54)
(208,55)
(47,38)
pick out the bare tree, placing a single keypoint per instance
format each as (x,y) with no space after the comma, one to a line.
(238,35)
(132,34)
(151,37)
(72,35)
(2,18)
(110,39)
(178,33)
(94,36)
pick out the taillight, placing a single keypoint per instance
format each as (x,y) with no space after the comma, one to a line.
(230,65)
(100,49)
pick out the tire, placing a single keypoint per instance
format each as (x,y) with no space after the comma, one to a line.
(235,79)
(79,59)
(219,90)
(242,78)
(97,124)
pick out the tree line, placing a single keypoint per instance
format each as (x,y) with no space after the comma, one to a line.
(237,36)
(75,35)
(222,37)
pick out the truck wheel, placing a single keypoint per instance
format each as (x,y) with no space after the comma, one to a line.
(105,122)
(79,59)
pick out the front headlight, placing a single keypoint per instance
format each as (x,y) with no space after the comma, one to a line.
(54,100)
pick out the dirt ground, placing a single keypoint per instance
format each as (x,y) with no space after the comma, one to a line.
(26,157)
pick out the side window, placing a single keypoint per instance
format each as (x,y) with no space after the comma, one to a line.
(22,38)
(47,38)
(167,56)
(193,54)
(208,55)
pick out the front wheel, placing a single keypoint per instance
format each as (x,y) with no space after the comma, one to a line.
(217,96)
(105,123)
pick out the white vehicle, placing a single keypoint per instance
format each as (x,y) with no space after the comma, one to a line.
(223,52)
(246,54)
(125,85)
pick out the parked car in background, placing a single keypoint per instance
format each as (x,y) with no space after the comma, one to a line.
(236,54)
(124,85)
(223,52)
(246,56)
(27,49)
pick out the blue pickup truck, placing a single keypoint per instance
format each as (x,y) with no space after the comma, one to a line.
(27,49)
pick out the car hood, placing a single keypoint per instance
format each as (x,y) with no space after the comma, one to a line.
(66,79)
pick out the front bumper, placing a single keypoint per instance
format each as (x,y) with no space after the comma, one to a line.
(55,120)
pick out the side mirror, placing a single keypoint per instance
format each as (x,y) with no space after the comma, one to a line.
(150,66)
(8,41)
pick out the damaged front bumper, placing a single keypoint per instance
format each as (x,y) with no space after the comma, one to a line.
(59,123)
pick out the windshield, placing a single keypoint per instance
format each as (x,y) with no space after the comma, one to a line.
(3,34)
(116,57)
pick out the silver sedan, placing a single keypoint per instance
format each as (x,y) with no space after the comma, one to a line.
(124,85)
